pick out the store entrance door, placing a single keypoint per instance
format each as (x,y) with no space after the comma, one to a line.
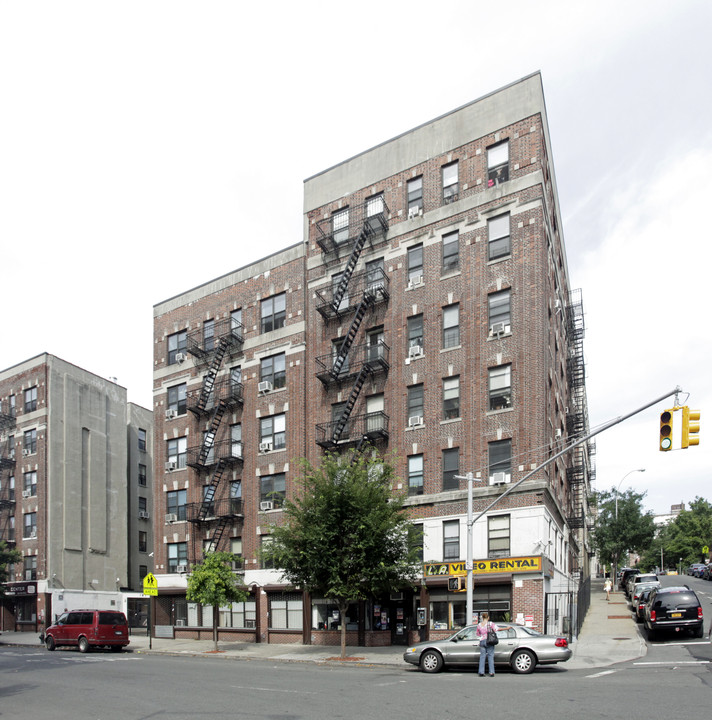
(399,619)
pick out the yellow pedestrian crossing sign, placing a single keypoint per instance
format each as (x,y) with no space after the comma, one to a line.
(150,586)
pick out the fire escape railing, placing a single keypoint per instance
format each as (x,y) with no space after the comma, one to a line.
(225,391)
(227,332)
(375,356)
(370,426)
(367,221)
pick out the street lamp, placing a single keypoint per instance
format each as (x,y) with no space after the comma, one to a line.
(615,567)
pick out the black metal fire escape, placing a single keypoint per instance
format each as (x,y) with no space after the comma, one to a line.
(367,289)
(7,462)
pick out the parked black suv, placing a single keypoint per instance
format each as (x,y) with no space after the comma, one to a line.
(673,608)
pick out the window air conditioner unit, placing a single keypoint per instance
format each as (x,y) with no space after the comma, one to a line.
(498,478)
(397,596)
(264,387)
(25,452)
(171,517)
(415,282)
(180,358)
(26,493)
(171,413)
(415,351)
(266,505)
(179,621)
(143,514)
(181,568)
(497,328)
(415,420)
(171,465)
(414,212)
(33,535)
(266,446)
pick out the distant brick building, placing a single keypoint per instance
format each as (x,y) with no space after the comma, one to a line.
(428,311)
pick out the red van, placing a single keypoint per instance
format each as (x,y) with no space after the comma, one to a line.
(87,629)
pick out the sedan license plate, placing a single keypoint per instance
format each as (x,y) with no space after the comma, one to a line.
(676,615)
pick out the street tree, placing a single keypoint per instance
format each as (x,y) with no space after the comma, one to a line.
(621,525)
(345,536)
(213,583)
(8,556)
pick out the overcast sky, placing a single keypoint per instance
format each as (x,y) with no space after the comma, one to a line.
(148,147)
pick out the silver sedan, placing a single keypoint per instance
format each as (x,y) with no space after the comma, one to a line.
(519,647)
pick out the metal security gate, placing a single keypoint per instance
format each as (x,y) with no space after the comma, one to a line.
(558,613)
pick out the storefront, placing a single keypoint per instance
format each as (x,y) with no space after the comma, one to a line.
(20,607)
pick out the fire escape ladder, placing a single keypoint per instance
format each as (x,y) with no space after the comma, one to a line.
(366,230)
(340,359)
(210,490)
(214,543)
(209,439)
(366,370)
(211,374)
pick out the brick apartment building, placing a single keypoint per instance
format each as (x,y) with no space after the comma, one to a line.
(75,491)
(428,311)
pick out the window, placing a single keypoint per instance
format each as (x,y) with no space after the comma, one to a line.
(142,541)
(415,196)
(498,244)
(451,398)
(29,525)
(236,440)
(340,226)
(272,369)
(500,387)
(451,467)
(236,326)
(499,312)
(176,503)
(415,475)
(265,542)
(374,212)
(416,406)
(498,164)
(375,339)
(30,482)
(375,420)
(142,440)
(177,399)
(415,264)
(142,572)
(272,312)
(273,487)
(31,399)
(375,274)
(142,475)
(11,529)
(451,540)
(142,504)
(11,489)
(238,615)
(500,461)
(336,411)
(29,442)
(342,369)
(176,452)
(208,506)
(451,252)
(209,335)
(415,335)
(235,381)
(451,326)
(415,535)
(29,567)
(286,611)
(10,445)
(177,344)
(177,556)
(498,536)
(273,429)
(236,500)
(451,186)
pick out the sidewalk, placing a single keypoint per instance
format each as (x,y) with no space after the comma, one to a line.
(609,635)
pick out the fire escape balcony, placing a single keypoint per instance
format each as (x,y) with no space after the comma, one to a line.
(371,427)
(370,217)
(7,421)
(373,281)
(227,451)
(225,508)
(226,390)
(375,356)
(7,455)
(227,330)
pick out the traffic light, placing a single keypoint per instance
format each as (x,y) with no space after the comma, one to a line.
(690,427)
(666,430)
(454,584)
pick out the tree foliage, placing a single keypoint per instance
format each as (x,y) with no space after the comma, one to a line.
(682,539)
(7,557)
(213,582)
(628,529)
(346,536)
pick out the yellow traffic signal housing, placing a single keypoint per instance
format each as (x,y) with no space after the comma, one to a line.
(666,430)
(690,427)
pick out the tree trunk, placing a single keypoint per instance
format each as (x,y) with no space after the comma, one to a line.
(343,607)
(215,626)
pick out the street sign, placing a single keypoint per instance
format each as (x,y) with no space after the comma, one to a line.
(150,586)
(705,550)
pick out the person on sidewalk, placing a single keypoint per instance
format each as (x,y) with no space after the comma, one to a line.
(608,586)
(486,650)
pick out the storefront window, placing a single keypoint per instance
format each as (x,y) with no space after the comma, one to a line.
(325,615)
(447,612)
(238,615)
(285,611)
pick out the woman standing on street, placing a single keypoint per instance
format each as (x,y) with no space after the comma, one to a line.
(486,650)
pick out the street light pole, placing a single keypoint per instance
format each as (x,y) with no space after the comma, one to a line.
(615,569)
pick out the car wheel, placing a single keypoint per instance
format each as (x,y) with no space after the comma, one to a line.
(652,635)
(431,662)
(116,648)
(83,645)
(49,643)
(698,632)
(523,662)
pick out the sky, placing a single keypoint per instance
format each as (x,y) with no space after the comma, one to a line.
(148,147)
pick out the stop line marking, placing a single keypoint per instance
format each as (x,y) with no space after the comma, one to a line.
(679,662)
(601,674)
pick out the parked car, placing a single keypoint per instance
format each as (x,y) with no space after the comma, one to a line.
(639,606)
(638,589)
(627,572)
(694,569)
(89,628)
(673,609)
(520,647)
(707,572)
(636,579)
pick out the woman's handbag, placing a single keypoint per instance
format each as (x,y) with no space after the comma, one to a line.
(492,638)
